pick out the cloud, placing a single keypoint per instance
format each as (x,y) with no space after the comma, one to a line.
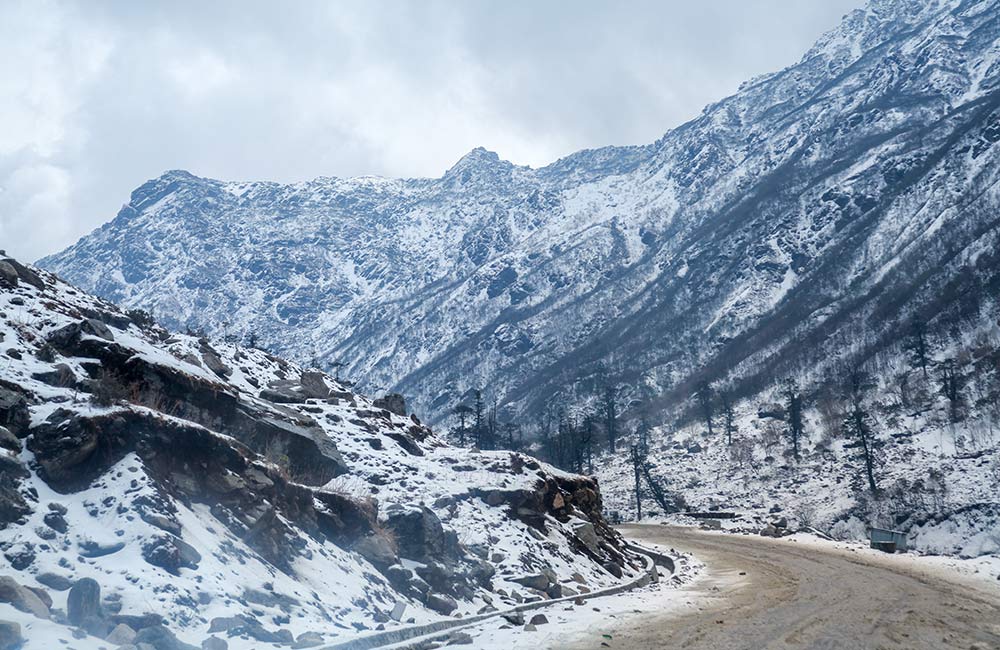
(95,98)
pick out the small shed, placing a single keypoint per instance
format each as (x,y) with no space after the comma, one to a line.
(889,541)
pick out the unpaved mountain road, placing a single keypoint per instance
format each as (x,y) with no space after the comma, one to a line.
(804,596)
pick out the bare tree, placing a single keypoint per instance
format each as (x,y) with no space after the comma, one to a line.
(704,395)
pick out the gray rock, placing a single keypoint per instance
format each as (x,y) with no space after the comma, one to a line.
(83,601)
(397,611)
(121,635)
(171,553)
(14,414)
(214,643)
(213,362)
(22,598)
(459,638)
(613,568)
(270,599)
(314,385)
(514,618)
(56,522)
(441,603)
(538,619)
(419,532)
(528,627)
(10,635)
(92,549)
(54,581)
(96,328)
(42,595)
(538,581)
(584,530)
(160,638)
(393,402)
(138,622)
(376,549)
(225,623)
(9,441)
(8,274)
(162,522)
(308,640)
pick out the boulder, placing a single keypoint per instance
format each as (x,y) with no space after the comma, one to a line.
(314,385)
(42,595)
(121,635)
(8,275)
(393,402)
(376,549)
(56,522)
(22,598)
(769,531)
(397,611)
(613,568)
(584,531)
(308,640)
(14,414)
(161,639)
(83,601)
(441,603)
(54,581)
(162,522)
(12,503)
(90,548)
(25,274)
(171,553)
(213,362)
(9,441)
(538,619)
(514,618)
(538,581)
(419,532)
(138,622)
(214,643)
(10,636)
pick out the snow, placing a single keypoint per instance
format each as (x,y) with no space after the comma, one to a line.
(328,589)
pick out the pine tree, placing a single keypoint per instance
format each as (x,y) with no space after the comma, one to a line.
(859,425)
(462,411)
(793,404)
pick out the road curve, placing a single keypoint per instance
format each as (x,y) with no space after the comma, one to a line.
(778,595)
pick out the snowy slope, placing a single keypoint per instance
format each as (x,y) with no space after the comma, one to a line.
(198,481)
(855,186)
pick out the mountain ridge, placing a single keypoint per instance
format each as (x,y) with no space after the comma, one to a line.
(533,282)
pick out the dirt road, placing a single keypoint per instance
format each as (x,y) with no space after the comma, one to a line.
(797,596)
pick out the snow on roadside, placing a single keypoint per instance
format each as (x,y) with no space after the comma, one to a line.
(596,618)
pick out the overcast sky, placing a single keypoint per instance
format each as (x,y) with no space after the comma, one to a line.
(96,97)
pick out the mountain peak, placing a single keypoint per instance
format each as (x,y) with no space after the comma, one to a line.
(479,160)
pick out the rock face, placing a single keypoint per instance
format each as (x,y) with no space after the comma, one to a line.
(744,233)
(184,479)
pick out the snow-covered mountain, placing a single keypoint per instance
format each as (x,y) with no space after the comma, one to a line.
(155,484)
(812,214)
